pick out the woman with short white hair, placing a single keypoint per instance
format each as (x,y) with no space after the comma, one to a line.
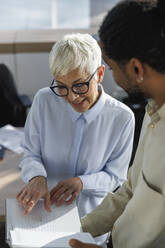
(78,140)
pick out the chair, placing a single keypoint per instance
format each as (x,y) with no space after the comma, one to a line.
(137,102)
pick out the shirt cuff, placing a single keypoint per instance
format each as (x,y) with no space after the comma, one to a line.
(86,226)
(28,172)
(84,180)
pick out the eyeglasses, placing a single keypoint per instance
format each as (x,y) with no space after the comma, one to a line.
(79,88)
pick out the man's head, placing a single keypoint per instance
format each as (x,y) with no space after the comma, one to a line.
(133,38)
(75,60)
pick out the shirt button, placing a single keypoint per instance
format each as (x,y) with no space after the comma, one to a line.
(152,125)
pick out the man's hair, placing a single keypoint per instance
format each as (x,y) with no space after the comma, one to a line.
(75,51)
(135,28)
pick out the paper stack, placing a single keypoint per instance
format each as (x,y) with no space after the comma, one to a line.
(43,229)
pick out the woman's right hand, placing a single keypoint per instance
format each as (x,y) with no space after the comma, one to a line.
(35,190)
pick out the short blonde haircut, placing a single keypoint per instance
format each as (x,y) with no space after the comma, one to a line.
(75,51)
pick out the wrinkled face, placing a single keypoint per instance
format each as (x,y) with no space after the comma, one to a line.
(79,103)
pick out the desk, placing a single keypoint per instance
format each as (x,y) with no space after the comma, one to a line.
(10,180)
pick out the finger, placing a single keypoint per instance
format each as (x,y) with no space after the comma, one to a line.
(27,199)
(22,196)
(47,203)
(72,199)
(30,204)
(31,198)
(20,193)
(66,195)
(28,208)
(57,195)
(56,188)
(18,198)
(34,199)
(74,243)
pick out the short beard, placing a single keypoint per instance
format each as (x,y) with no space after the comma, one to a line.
(133,91)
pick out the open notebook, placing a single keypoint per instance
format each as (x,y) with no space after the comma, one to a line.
(43,229)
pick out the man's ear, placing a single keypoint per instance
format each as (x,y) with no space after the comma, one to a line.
(136,69)
(100,73)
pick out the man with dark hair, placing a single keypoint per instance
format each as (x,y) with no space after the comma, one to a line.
(133,39)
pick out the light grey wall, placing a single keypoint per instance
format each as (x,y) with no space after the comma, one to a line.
(31,73)
(111,87)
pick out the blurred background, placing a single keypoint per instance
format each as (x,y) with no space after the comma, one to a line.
(28,29)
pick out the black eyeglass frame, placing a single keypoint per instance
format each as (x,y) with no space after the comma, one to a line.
(72,88)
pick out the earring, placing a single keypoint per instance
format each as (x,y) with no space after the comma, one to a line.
(139,80)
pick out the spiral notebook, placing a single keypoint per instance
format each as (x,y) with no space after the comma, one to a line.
(42,229)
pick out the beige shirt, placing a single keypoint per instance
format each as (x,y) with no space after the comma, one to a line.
(136,212)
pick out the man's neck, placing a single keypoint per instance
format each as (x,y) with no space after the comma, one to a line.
(160,101)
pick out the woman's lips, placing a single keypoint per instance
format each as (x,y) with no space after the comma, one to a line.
(78,103)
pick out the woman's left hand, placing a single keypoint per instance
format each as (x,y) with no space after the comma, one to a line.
(66,191)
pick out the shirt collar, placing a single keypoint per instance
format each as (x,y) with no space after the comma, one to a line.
(161,111)
(90,114)
(154,112)
(74,114)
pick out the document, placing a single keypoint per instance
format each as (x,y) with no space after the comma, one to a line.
(11,137)
(42,229)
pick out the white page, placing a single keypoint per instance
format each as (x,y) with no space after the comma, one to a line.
(31,239)
(10,137)
(39,229)
(60,222)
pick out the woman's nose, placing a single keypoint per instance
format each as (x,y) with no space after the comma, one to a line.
(72,96)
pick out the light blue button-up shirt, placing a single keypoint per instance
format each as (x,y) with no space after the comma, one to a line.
(95,145)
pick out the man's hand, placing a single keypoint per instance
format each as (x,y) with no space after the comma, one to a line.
(32,193)
(74,243)
(66,191)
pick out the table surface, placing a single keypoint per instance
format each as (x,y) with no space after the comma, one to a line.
(10,179)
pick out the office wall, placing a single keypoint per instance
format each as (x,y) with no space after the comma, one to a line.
(32,72)
(9,60)
(26,54)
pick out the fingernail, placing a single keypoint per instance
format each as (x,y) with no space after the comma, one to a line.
(72,242)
